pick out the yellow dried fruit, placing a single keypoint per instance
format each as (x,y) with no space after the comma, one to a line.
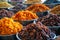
(8,26)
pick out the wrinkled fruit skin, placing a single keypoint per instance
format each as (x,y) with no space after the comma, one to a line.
(35,32)
(50,20)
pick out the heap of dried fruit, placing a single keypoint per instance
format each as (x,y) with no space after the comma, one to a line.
(8,26)
(18,7)
(35,32)
(38,8)
(5,13)
(50,20)
(25,15)
(56,10)
(5,5)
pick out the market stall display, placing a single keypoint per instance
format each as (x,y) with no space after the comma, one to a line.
(29,19)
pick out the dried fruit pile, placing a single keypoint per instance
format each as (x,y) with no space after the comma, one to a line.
(5,13)
(25,15)
(8,26)
(38,8)
(50,20)
(56,10)
(35,32)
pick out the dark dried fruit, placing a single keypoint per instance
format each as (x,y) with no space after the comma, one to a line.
(50,20)
(18,7)
(5,13)
(35,32)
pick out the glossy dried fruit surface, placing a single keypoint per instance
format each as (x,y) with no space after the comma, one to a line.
(8,26)
(35,32)
(5,13)
(25,15)
(50,20)
(56,10)
(38,8)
